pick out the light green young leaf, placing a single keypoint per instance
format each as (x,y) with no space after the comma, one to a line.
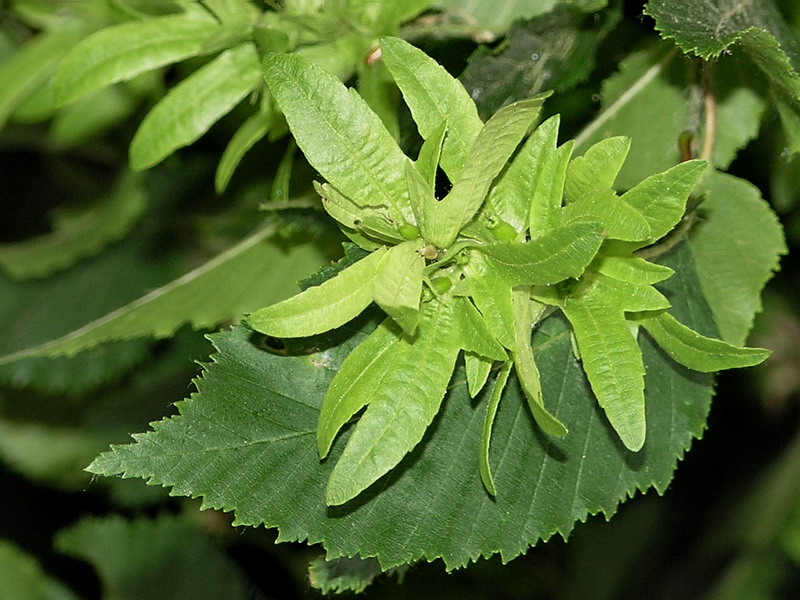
(525,366)
(630,297)
(389,429)
(30,66)
(204,297)
(368,221)
(398,288)
(79,233)
(597,168)
(612,361)
(92,115)
(339,134)
(477,369)
(434,223)
(621,220)
(430,154)
(559,254)
(194,105)
(377,88)
(475,334)
(122,52)
(486,433)
(434,96)
(360,375)
(494,145)
(326,306)
(632,269)
(696,351)
(251,131)
(661,198)
(549,167)
(492,296)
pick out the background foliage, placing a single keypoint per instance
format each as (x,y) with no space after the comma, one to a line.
(152,195)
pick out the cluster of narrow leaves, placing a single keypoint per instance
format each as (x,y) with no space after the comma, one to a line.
(475,271)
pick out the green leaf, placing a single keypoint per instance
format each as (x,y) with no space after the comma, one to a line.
(525,366)
(251,131)
(661,198)
(194,105)
(342,574)
(325,306)
(22,578)
(92,116)
(388,430)
(630,297)
(355,383)
(621,220)
(632,269)
(370,221)
(477,370)
(204,297)
(698,352)
(498,15)
(30,66)
(559,254)
(486,434)
(434,97)
(163,557)
(736,247)
(475,334)
(79,233)
(613,363)
(548,172)
(597,169)
(430,153)
(254,419)
(492,296)
(398,288)
(339,135)
(122,52)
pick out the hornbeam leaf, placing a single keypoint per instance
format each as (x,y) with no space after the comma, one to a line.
(549,167)
(488,422)
(402,407)
(630,297)
(559,254)
(434,96)
(122,52)
(492,296)
(696,351)
(398,288)
(632,269)
(661,198)
(353,386)
(613,363)
(194,105)
(372,222)
(597,168)
(430,154)
(339,134)
(475,334)
(326,306)
(477,369)
(621,220)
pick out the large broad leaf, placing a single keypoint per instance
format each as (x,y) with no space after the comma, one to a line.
(124,51)
(495,15)
(167,557)
(195,104)
(220,290)
(736,246)
(245,443)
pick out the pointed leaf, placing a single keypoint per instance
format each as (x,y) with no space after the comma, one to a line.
(325,306)
(477,370)
(398,288)
(434,96)
(630,297)
(492,296)
(372,222)
(559,254)
(194,105)
(597,168)
(251,131)
(613,363)
(122,52)
(547,191)
(430,154)
(632,269)
(475,334)
(696,351)
(486,434)
(339,134)
(355,383)
(389,429)
(621,220)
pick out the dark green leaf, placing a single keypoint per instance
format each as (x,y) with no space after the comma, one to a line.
(22,578)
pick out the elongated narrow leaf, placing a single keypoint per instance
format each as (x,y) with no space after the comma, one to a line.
(434,96)
(433,222)
(430,154)
(194,105)
(613,363)
(547,192)
(79,233)
(220,290)
(630,297)
(475,334)
(360,375)
(369,220)
(661,198)
(124,51)
(525,366)
(486,435)
(251,131)
(597,168)
(621,220)
(632,269)
(477,369)
(492,296)
(398,288)
(401,408)
(554,256)
(325,306)
(339,134)
(696,351)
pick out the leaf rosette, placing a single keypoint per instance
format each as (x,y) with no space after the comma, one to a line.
(524,230)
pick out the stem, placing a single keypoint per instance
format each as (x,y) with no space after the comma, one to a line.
(710,106)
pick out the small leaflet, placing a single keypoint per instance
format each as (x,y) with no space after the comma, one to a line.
(477,369)
(486,435)
(399,285)
(597,169)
